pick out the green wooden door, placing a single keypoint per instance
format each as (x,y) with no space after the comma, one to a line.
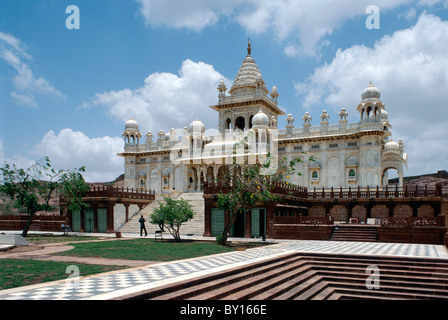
(88,220)
(102,220)
(76,221)
(218,222)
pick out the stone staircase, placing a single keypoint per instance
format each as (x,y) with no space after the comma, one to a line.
(355,232)
(193,227)
(315,276)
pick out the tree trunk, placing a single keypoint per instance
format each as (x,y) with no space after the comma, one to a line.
(225,233)
(27,225)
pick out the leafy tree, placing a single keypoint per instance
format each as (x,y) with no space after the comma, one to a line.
(33,188)
(172,214)
(250,185)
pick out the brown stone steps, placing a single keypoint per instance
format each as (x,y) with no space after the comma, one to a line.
(356,275)
(411,263)
(306,276)
(191,287)
(422,280)
(339,292)
(408,287)
(354,233)
(324,287)
(384,271)
(254,284)
(268,290)
(289,289)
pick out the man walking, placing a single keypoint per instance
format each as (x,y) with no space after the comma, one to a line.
(142,226)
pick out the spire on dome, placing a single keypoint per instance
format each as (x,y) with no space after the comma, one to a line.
(249,49)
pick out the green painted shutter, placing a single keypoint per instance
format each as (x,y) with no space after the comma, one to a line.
(88,220)
(76,221)
(102,220)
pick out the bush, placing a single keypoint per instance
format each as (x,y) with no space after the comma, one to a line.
(172,214)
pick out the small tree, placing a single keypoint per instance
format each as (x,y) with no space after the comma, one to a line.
(250,186)
(33,188)
(172,214)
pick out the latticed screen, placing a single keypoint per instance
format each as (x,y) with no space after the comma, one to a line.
(218,222)
(255,223)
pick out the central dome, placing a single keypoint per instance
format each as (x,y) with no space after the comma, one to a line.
(248,77)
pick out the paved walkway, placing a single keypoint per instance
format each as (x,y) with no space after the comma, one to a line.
(118,283)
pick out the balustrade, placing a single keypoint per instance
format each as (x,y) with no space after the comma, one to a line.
(280,187)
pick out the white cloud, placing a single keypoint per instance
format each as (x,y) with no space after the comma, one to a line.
(192,14)
(73,149)
(167,100)
(300,24)
(410,68)
(26,84)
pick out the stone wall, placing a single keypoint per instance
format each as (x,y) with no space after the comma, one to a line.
(41,222)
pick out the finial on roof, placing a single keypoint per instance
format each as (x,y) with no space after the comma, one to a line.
(249,49)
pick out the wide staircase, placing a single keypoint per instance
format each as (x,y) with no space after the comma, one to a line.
(194,227)
(355,232)
(314,276)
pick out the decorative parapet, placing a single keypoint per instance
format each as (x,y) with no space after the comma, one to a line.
(392,222)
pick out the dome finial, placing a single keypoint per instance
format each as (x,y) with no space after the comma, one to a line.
(249,49)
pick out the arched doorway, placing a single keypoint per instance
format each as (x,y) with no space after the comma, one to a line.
(390,174)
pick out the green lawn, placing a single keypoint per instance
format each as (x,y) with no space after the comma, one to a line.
(145,249)
(43,239)
(17,273)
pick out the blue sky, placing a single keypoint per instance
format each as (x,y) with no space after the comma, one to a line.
(67,93)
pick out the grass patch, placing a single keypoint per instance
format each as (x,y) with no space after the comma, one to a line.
(50,238)
(17,273)
(145,249)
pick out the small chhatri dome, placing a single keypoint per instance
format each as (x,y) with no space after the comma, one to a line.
(391,145)
(260,120)
(196,127)
(131,124)
(371,92)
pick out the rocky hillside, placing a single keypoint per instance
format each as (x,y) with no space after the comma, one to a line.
(427,179)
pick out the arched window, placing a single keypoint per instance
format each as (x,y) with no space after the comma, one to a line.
(240,123)
(351,173)
(228,123)
(314,175)
(368,112)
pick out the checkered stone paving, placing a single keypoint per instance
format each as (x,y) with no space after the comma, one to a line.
(118,283)
(96,286)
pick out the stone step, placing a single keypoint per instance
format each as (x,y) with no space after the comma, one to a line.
(315,276)
(191,227)
(354,233)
